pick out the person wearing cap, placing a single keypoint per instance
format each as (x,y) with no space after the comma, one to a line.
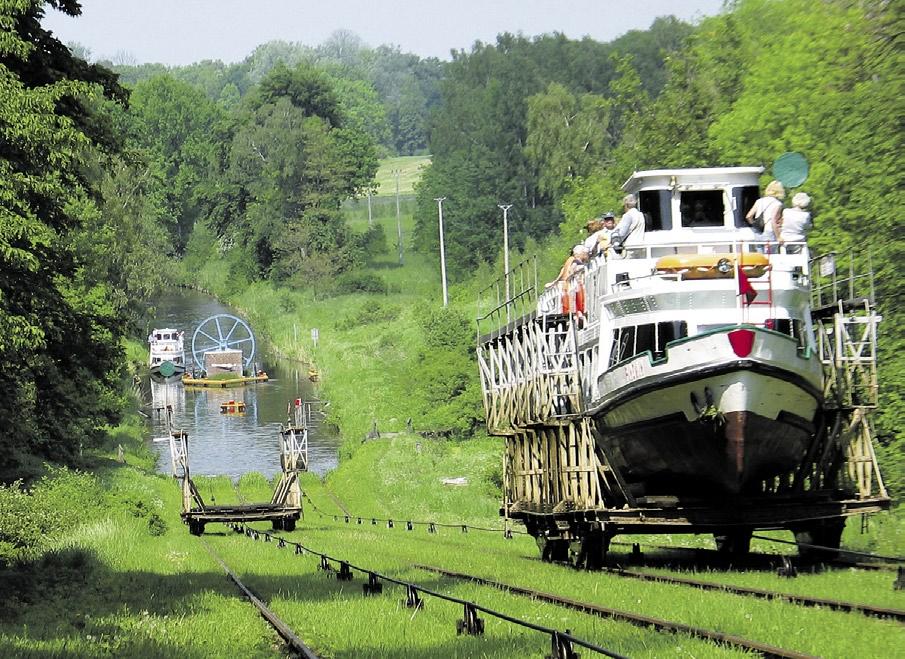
(796,223)
(599,241)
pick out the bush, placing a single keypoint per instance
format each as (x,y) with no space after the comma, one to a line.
(359,282)
(369,314)
(61,500)
(156,524)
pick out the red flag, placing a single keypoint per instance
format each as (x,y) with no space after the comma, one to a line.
(745,288)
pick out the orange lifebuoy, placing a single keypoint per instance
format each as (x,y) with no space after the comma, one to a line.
(712,266)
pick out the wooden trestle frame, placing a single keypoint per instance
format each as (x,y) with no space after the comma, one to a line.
(532,370)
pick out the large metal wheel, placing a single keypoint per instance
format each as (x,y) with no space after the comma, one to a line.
(223,332)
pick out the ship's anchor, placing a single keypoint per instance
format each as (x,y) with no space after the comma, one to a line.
(707,411)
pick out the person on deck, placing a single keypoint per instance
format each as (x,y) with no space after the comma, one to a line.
(571,281)
(630,230)
(796,223)
(599,241)
(765,216)
(593,227)
(575,263)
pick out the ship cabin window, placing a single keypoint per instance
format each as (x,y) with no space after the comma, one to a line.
(702,208)
(743,199)
(655,205)
(157,337)
(652,337)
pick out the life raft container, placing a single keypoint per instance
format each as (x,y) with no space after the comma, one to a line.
(712,266)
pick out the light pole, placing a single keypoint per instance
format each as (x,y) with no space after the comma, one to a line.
(439,201)
(398,221)
(506,208)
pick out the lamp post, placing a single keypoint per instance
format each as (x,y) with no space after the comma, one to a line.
(396,172)
(505,208)
(439,201)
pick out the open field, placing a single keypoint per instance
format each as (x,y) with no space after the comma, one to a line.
(409,173)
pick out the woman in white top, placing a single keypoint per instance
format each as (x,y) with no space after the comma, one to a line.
(767,209)
(796,223)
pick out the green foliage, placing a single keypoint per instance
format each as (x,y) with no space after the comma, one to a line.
(174,125)
(30,519)
(520,121)
(359,282)
(61,320)
(288,163)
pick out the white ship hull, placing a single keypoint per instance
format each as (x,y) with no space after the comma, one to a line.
(708,416)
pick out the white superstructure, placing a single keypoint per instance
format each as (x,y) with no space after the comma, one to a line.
(167,354)
(680,368)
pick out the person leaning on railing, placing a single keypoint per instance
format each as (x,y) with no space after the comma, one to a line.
(570,281)
(765,216)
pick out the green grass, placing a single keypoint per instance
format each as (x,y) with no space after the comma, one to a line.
(409,173)
(113,581)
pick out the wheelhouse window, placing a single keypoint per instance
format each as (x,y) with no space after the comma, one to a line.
(655,205)
(743,199)
(702,208)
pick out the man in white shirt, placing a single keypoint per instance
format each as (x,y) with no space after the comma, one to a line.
(630,230)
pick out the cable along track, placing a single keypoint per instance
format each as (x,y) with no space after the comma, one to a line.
(667,626)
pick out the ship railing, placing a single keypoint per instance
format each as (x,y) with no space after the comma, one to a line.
(715,246)
(507,300)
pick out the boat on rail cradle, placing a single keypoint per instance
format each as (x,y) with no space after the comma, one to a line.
(696,381)
(167,354)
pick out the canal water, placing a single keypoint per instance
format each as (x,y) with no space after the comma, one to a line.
(231,444)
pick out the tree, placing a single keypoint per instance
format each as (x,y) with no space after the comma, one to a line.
(59,325)
(567,136)
(293,158)
(174,123)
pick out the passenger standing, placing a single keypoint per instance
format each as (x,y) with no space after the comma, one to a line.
(571,281)
(599,241)
(765,216)
(796,223)
(593,227)
(630,230)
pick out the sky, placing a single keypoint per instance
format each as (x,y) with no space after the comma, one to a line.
(175,32)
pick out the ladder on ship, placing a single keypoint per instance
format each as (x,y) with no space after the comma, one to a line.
(285,506)
(845,323)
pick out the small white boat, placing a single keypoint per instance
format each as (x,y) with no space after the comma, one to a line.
(167,354)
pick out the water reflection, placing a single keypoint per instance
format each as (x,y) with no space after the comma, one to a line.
(232,444)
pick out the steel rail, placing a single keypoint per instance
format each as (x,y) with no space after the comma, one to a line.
(281,628)
(839,562)
(346,565)
(838,605)
(659,624)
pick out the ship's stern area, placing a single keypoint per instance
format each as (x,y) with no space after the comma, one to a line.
(721,412)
